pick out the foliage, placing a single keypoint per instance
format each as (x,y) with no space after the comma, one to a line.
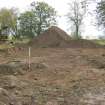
(74,36)
(26,24)
(38,19)
(8,21)
(101,13)
(76,15)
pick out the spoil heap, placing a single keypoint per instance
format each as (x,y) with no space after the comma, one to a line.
(55,37)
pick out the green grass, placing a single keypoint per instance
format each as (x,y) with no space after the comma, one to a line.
(101,42)
(22,41)
(5,46)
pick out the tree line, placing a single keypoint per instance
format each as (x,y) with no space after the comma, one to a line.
(41,16)
(30,23)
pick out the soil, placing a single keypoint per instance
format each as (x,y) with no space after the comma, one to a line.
(55,37)
(59,76)
(56,76)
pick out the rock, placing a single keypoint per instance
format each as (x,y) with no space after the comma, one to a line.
(4,92)
(60,99)
(4,96)
(1,103)
(52,102)
(40,65)
(9,82)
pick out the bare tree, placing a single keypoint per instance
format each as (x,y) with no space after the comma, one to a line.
(76,15)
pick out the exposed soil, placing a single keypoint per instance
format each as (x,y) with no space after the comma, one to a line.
(62,76)
(57,76)
(54,37)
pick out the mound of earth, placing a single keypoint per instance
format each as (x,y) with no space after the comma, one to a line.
(55,37)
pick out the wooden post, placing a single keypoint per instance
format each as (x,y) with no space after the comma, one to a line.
(29,62)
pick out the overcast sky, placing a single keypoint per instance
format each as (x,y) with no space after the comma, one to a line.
(61,6)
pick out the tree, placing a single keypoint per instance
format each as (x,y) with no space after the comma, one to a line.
(101,13)
(26,24)
(40,17)
(76,15)
(8,21)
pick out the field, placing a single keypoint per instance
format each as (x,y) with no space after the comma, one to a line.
(58,76)
(57,71)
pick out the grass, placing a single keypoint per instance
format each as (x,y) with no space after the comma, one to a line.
(26,40)
(101,42)
(5,46)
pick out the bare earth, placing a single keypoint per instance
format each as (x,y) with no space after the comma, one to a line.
(58,76)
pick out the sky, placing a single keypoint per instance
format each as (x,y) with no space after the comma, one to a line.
(61,6)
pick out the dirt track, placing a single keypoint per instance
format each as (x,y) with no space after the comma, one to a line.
(61,76)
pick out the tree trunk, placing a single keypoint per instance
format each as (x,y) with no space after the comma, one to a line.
(77,32)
